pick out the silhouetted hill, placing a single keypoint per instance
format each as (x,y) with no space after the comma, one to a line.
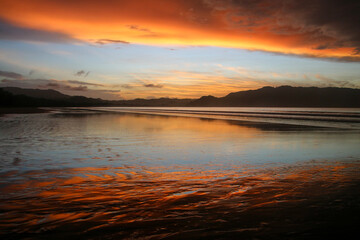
(285,96)
(37,93)
(19,97)
(8,99)
(205,101)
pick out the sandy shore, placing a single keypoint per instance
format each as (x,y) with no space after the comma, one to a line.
(314,201)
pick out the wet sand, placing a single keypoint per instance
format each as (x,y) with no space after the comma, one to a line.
(316,200)
(93,175)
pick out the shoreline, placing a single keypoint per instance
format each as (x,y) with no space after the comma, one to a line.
(21,110)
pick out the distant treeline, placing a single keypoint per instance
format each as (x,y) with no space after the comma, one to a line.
(284,96)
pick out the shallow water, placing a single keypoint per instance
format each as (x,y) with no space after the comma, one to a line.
(348,118)
(82,173)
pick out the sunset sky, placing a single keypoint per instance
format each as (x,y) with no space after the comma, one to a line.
(127,49)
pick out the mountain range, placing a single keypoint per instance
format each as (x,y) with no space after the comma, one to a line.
(283,96)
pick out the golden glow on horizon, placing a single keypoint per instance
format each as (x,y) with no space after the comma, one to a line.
(88,30)
(160,23)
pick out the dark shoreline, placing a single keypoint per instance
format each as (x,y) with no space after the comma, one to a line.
(22,110)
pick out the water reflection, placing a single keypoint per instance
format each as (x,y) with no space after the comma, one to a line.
(136,203)
(81,139)
(92,175)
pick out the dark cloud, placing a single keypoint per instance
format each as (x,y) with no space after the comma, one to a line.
(335,19)
(79,73)
(138,28)
(82,73)
(141,84)
(6,80)
(110,41)
(127,86)
(58,85)
(11,75)
(70,87)
(322,47)
(53,85)
(81,86)
(84,83)
(152,85)
(331,59)
(356,51)
(76,88)
(63,85)
(10,31)
(145,32)
(330,23)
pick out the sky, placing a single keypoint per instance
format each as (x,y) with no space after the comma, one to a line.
(130,49)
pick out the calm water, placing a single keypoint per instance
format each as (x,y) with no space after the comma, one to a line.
(175,173)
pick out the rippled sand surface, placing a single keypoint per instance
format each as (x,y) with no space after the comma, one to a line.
(83,175)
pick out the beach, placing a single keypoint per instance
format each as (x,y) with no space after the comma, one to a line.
(112,174)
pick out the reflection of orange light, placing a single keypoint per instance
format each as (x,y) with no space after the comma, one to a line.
(158,193)
(160,125)
(158,23)
(195,125)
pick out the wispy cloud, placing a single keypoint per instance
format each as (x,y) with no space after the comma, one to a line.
(330,82)
(71,87)
(82,73)
(11,75)
(152,85)
(138,28)
(110,41)
(84,83)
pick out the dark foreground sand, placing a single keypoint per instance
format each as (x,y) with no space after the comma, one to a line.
(316,201)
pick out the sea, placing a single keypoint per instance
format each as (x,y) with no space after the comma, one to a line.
(180,173)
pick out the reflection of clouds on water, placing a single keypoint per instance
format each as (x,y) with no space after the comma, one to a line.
(89,138)
(132,175)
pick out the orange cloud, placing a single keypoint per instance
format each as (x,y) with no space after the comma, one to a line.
(315,28)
